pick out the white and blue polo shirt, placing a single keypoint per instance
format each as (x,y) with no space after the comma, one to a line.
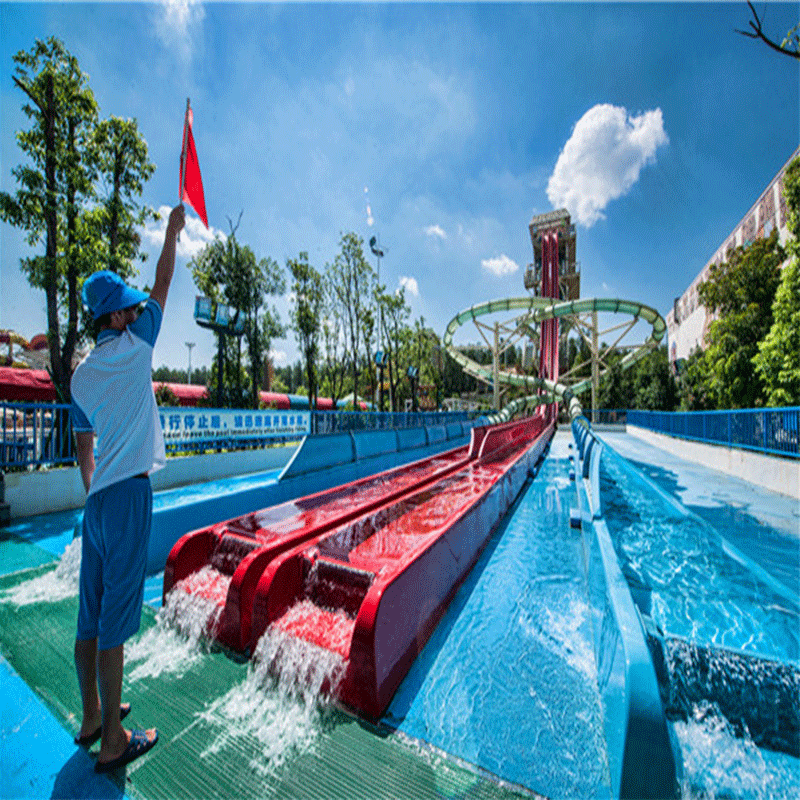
(112,395)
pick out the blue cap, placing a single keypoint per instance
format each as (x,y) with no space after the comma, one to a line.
(105,292)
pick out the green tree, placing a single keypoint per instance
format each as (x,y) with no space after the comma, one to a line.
(52,186)
(741,292)
(778,358)
(307,317)
(166,397)
(352,280)
(652,384)
(124,167)
(429,358)
(165,374)
(333,366)
(369,336)
(395,312)
(790,46)
(694,383)
(57,199)
(228,272)
(615,385)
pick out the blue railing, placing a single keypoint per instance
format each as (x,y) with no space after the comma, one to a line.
(40,434)
(35,433)
(770,430)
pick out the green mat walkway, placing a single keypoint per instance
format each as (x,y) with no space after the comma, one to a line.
(342,757)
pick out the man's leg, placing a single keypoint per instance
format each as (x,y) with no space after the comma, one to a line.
(86,667)
(109,679)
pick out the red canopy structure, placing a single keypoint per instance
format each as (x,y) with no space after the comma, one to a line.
(34,386)
(26,385)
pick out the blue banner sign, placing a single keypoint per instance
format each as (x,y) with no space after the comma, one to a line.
(212,424)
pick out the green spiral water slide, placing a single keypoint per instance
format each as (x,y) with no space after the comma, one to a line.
(539,309)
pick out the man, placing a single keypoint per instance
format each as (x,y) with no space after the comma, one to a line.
(112,399)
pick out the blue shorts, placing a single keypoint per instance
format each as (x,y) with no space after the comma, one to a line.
(116,533)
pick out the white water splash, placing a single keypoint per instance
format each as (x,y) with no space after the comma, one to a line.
(179,638)
(561,631)
(282,702)
(52,586)
(719,764)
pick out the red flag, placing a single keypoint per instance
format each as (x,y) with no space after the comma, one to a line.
(191,189)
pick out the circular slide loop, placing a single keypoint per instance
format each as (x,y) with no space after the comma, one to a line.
(539,309)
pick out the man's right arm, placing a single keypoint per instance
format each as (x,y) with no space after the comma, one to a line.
(166,262)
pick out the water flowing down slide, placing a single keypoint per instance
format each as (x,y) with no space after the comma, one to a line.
(365,570)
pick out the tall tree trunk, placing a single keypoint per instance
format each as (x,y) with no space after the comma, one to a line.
(113,238)
(71,338)
(60,379)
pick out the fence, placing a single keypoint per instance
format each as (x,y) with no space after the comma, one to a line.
(771,430)
(35,433)
(40,434)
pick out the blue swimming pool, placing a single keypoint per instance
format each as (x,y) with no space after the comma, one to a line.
(702,587)
(729,624)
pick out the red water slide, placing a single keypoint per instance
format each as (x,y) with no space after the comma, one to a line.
(225,561)
(367,569)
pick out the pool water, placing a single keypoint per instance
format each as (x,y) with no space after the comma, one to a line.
(53,532)
(701,589)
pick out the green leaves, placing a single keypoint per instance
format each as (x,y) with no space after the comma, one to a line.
(58,202)
(740,292)
(309,300)
(228,272)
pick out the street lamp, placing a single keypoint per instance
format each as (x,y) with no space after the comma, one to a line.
(413,376)
(380,356)
(190,345)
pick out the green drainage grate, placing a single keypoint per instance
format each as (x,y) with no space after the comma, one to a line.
(337,756)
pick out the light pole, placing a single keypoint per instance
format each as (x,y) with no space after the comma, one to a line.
(380,356)
(190,345)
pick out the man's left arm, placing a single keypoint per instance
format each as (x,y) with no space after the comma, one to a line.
(85,445)
(166,261)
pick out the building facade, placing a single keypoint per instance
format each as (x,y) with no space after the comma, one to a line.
(688,320)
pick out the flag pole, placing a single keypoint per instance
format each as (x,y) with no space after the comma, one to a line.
(183,155)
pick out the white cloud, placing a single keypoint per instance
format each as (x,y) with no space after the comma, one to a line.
(465,236)
(278,356)
(500,265)
(175,24)
(435,230)
(370,218)
(410,285)
(603,158)
(194,237)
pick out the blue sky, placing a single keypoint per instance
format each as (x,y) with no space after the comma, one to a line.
(446,126)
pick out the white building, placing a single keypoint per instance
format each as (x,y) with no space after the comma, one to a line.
(688,321)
